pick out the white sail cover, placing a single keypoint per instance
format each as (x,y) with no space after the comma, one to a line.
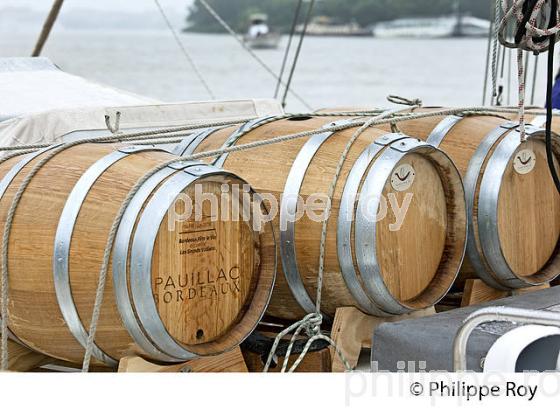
(42,104)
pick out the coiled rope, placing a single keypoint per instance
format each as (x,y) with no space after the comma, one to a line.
(535,24)
(528,20)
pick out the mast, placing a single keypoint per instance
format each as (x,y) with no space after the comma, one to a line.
(49,22)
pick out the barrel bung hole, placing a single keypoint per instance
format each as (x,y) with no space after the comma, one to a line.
(300,118)
(199,334)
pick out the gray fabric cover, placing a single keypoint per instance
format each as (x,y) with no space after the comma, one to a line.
(430,339)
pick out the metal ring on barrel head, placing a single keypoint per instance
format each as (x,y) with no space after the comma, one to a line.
(365,226)
(288,213)
(142,251)
(4,184)
(488,211)
(471,179)
(63,239)
(120,261)
(540,120)
(346,220)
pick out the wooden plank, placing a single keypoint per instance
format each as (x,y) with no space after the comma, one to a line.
(231,362)
(476,292)
(21,359)
(530,289)
(314,362)
(353,330)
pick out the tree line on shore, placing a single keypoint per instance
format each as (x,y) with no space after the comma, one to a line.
(365,12)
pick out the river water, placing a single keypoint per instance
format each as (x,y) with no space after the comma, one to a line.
(330,72)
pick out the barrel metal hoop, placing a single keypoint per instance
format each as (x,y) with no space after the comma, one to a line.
(4,184)
(63,239)
(488,211)
(141,263)
(288,213)
(120,265)
(540,120)
(366,225)
(248,126)
(442,129)
(346,218)
(191,142)
(470,181)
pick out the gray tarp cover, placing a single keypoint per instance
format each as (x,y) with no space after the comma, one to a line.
(430,339)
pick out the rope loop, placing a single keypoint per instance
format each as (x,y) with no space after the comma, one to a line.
(397,99)
(113,128)
(527,21)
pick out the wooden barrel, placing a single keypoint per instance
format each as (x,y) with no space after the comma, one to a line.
(539,120)
(513,205)
(378,266)
(179,286)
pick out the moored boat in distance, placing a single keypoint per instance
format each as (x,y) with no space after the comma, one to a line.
(259,35)
(433,27)
(325,26)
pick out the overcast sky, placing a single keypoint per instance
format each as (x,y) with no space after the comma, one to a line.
(118,5)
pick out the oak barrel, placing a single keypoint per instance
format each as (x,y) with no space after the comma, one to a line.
(379,266)
(179,286)
(513,205)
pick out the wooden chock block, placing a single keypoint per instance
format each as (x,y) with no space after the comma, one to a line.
(22,359)
(352,330)
(231,362)
(476,292)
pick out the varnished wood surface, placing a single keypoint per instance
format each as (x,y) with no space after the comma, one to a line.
(22,359)
(529,215)
(418,246)
(477,292)
(352,331)
(34,314)
(228,362)
(314,362)
(528,205)
(267,168)
(211,280)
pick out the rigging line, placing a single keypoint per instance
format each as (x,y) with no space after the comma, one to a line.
(526,67)
(188,57)
(227,27)
(501,86)
(535,68)
(287,52)
(509,78)
(47,27)
(298,51)
(495,48)
(487,66)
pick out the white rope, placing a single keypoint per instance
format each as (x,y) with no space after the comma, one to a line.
(176,132)
(495,50)
(521,97)
(535,28)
